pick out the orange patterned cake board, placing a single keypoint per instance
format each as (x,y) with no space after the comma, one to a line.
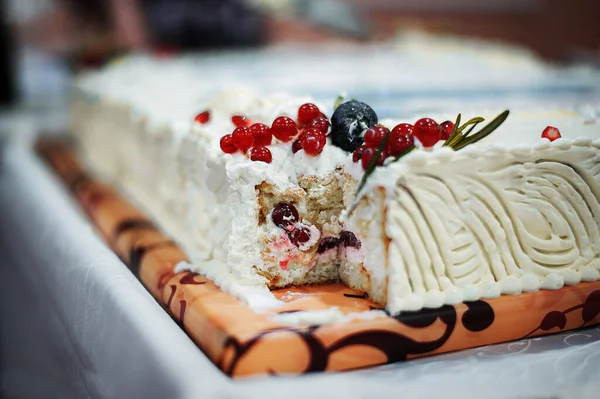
(242,342)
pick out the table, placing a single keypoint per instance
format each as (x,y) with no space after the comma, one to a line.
(75,323)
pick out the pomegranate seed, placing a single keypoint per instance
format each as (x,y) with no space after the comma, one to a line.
(447,128)
(202,117)
(284,128)
(241,121)
(399,142)
(227,145)
(374,135)
(285,215)
(261,153)
(261,134)
(242,138)
(313,141)
(296,146)
(299,235)
(357,154)
(320,123)
(427,131)
(307,112)
(348,239)
(551,133)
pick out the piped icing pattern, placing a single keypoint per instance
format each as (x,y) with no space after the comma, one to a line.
(461,226)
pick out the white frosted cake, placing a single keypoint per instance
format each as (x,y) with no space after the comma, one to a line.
(261,189)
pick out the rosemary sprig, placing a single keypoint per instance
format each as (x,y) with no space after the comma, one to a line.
(484,132)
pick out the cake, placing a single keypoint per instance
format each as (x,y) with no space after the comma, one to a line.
(515,212)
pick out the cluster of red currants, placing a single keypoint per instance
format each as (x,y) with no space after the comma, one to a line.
(402,136)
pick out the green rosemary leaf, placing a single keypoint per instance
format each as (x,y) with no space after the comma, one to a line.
(454,133)
(338,101)
(472,121)
(471,129)
(485,131)
(373,162)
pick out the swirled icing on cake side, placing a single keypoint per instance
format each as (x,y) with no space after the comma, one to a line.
(480,226)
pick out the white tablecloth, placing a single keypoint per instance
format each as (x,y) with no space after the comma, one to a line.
(75,324)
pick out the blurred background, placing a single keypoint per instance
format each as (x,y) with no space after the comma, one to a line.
(43,42)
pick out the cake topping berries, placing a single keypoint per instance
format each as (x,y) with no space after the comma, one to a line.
(296,146)
(427,131)
(307,113)
(240,121)
(261,133)
(349,123)
(242,138)
(227,145)
(447,128)
(313,141)
(203,117)
(551,133)
(321,123)
(284,129)
(308,133)
(261,153)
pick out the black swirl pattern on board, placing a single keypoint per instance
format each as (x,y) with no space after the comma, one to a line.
(395,346)
(590,309)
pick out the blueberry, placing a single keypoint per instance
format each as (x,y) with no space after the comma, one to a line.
(349,123)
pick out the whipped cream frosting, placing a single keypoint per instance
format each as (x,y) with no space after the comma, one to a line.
(134,120)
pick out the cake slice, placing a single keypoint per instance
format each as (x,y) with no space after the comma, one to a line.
(446,226)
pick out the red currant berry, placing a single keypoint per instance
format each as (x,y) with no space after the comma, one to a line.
(307,112)
(261,153)
(447,128)
(261,133)
(241,121)
(284,128)
(313,141)
(374,135)
(427,131)
(366,156)
(285,215)
(227,145)
(551,133)
(296,146)
(299,235)
(402,128)
(202,117)
(399,142)
(242,138)
(357,154)
(320,123)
